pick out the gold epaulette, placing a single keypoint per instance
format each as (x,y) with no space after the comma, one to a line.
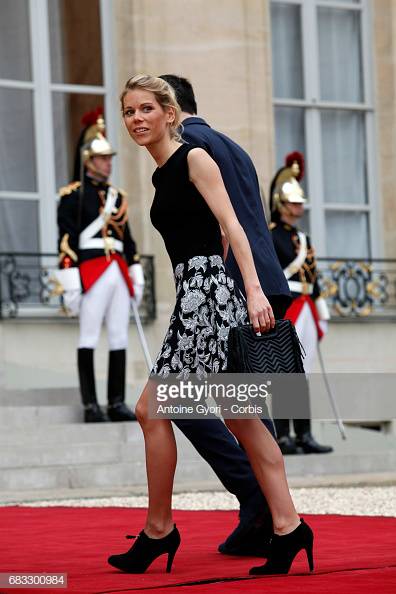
(271,226)
(66,190)
(136,258)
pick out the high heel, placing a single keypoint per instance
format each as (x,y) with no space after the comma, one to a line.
(145,550)
(283,550)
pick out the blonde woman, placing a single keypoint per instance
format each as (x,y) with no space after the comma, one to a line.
(191,210)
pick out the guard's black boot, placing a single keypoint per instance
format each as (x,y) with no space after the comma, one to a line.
(85,364)
(288,445)
(117,409)
(305,441)
(285,442)
(145,550)
(309,445)
(94,414)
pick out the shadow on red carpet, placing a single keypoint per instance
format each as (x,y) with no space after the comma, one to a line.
(352,554)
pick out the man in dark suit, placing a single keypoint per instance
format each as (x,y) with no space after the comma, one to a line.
(210,437)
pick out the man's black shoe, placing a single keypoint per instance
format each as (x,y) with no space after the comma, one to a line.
(249,539)
(120,412)
(288,445)
(94,414)
(310,446)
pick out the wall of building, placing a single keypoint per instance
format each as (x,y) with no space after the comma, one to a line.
(384,59)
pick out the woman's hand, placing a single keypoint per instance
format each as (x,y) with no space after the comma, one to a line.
(260,311)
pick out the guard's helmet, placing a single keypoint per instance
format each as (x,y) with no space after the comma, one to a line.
(92,141)
(285,185)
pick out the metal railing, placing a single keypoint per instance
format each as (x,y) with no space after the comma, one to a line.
(26,289)
(355,289)
(359,289)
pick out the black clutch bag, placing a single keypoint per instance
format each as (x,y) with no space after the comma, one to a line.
(275,351)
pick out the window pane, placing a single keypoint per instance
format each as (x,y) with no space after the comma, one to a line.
(17,147)
(304,223)
(15,40)
(347,235)
(19,226)
(68,109)
(289,132)
(340,63)
(343,154)
(287,65)
(75,40)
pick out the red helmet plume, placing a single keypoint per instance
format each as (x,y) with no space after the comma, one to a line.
(293,157)
(90,118)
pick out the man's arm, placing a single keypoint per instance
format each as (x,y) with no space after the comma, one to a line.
(67,218)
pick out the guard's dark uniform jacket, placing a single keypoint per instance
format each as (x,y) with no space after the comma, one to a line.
(303,279)
(240,179)
(89,239)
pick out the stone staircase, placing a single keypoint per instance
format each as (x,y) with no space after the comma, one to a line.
(45,446)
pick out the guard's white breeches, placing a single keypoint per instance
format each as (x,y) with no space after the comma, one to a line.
(108,299)
(308,335)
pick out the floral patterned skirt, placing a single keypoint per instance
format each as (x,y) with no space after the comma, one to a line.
(207,306)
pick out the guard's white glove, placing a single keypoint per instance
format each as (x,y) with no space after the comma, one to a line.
(67,283)
(324,326)
(323,314)
(137,277)
(71,303)
(322,309)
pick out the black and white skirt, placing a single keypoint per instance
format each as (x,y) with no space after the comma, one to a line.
(208,304)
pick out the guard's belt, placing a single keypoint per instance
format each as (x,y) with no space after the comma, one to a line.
(303,288)
(98,243)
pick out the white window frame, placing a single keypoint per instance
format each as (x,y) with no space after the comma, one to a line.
(43,89)
(313,105)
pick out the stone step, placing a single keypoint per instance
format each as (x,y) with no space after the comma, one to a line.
(46,415)
(39,397)
(20,456)
(26,416)
(111,465)
(313,465)
(66,433)
(124,465)
(60,396)
(72,476)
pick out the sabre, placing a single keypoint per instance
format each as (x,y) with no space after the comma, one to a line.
(142,337)
(333,402)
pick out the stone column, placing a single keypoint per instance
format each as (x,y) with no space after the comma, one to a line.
(384,49)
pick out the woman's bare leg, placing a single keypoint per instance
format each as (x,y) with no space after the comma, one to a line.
(267,463)
(161,456)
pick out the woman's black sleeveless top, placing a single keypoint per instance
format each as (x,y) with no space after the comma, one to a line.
(179,212)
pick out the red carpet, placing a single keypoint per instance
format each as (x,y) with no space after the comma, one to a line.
(352,554)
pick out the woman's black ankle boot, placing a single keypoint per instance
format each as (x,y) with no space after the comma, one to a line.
(283,550)
(145,550)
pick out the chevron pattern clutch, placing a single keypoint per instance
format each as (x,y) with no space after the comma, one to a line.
(275,351)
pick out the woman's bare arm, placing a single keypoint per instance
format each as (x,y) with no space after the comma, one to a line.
(206,176)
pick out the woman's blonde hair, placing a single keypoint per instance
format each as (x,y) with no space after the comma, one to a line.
(163,93)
